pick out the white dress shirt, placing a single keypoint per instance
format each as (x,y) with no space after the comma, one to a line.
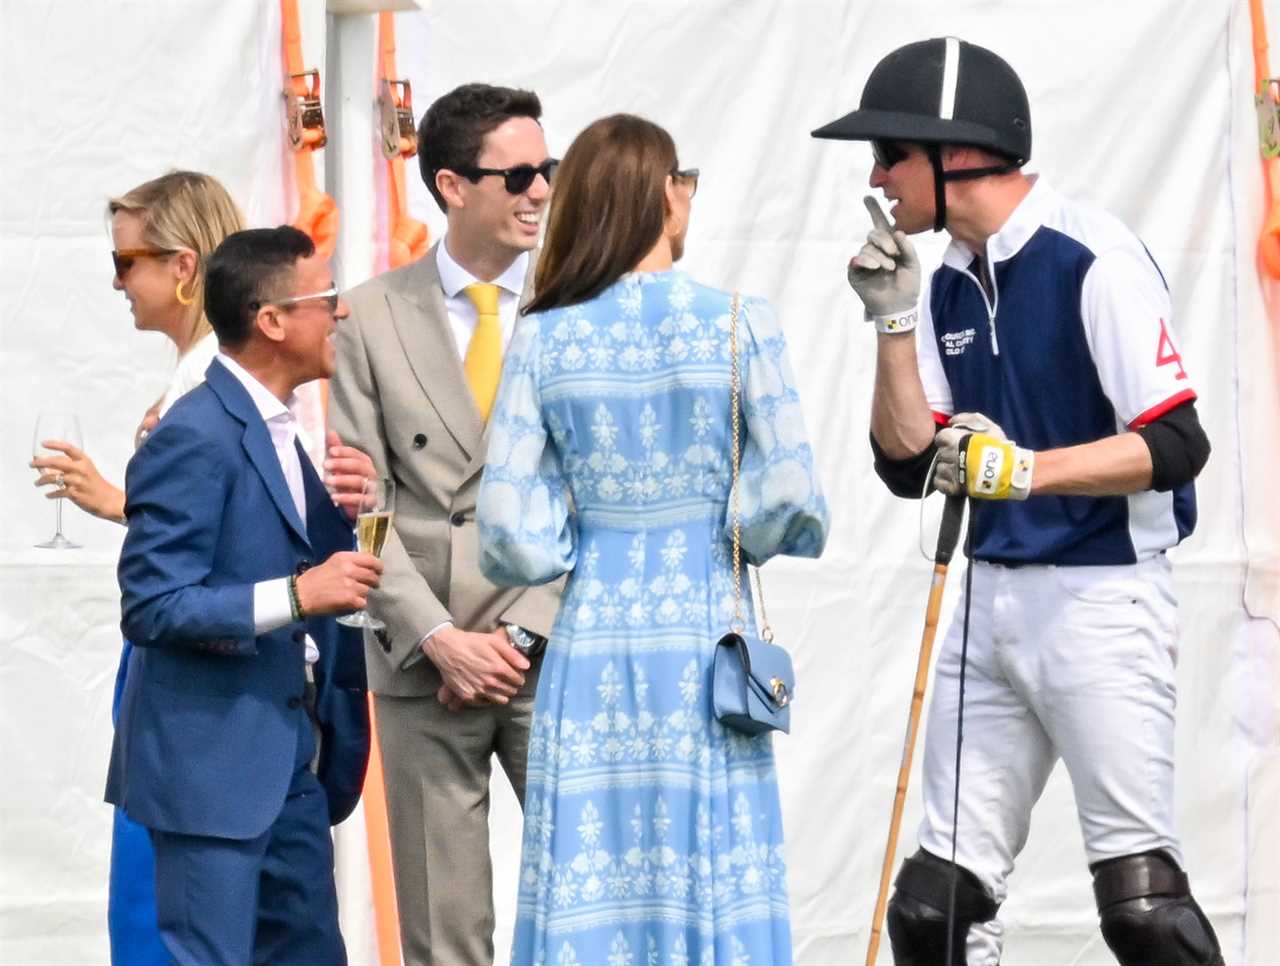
(309,409)
(271,608)
(462,312)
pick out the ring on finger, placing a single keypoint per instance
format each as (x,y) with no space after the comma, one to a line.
(59,480)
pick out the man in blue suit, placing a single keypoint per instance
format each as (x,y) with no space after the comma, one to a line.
(234,562)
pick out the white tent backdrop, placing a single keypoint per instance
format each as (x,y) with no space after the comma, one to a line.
(1141,108)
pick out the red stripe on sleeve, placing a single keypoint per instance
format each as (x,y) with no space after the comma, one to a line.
(941,418)
(1159,409)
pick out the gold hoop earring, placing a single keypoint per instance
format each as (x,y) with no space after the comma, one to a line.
(184,299)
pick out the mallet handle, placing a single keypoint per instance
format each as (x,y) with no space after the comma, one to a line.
(948,537)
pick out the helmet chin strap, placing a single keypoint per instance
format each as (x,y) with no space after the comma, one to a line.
(939,186)
(940,179)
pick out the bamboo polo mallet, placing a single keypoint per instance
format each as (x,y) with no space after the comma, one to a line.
(948,537)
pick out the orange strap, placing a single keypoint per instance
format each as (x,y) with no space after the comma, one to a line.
(317,211)
(386,917)
(1261,66)
(407,238)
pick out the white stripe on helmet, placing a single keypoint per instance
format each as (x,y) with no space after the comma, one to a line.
(950,77)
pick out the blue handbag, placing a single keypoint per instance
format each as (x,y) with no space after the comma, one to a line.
(751,685)
(752,679)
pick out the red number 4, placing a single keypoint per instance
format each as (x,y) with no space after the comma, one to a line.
(1166,353)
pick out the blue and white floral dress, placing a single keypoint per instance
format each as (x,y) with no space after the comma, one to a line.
(652,834)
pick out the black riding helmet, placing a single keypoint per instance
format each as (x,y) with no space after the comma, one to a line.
(943,91)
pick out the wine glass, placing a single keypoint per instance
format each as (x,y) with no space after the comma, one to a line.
(60,425)
(373,524)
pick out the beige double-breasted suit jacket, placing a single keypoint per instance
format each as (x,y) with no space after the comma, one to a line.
(400,394)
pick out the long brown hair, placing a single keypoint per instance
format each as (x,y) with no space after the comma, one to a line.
(608,209)
(184,209)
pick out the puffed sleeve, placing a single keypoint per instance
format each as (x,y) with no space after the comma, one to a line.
(527,534)
(783,509)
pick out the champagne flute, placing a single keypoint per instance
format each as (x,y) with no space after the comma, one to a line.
(60,425)
(373,524)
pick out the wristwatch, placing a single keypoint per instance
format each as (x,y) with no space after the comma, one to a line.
(526,642)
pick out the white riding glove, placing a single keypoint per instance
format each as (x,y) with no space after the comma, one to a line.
(886,275)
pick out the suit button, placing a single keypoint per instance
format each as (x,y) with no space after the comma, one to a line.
(302,567)
(295,703)
(458,519)
(419,441)
(299,636)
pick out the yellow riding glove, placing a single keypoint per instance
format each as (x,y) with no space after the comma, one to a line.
(974,458)
(997,469)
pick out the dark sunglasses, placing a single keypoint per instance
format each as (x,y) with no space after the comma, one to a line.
(689,176)
(888,153)
(516,180)
(123,258)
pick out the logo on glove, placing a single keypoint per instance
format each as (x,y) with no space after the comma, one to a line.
(992,468)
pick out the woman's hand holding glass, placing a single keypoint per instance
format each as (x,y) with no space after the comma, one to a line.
(54,426)
(77,478)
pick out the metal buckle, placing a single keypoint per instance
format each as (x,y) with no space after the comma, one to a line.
(1269,118)
(304,115)
(399,134)
(781,696)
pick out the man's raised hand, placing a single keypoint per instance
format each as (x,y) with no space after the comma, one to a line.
(885,274)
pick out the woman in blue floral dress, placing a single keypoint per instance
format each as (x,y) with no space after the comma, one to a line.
(652,833)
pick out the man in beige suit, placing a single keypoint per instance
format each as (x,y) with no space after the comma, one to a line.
(455,669)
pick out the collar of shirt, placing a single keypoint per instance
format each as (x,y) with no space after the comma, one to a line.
(264,399)
(462,312)
(454,278)
(276,414)
(282,426)
(1025,220)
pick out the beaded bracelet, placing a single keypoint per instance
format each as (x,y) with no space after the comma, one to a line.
(295,605)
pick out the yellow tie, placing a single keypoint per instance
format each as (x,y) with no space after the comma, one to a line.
(483,362)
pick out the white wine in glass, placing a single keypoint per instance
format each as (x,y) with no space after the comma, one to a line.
(371,531)
(56,424)
(373,524)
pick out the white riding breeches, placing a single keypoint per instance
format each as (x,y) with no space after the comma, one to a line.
(1076,663)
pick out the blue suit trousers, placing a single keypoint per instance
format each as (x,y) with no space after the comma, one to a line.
(265,900)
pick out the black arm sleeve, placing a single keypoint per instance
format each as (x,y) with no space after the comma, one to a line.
(1179,448)
(903,477)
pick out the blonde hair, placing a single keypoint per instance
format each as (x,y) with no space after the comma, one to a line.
(184,209)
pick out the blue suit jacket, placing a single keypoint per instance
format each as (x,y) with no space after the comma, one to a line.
(208,730)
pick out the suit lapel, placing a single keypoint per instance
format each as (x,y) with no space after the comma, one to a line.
(422,325)
(322,515)
(257,443)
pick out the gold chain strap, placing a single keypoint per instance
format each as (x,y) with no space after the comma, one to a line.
(739,621)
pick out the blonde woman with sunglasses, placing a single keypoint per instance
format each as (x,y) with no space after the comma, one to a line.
(162,232)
